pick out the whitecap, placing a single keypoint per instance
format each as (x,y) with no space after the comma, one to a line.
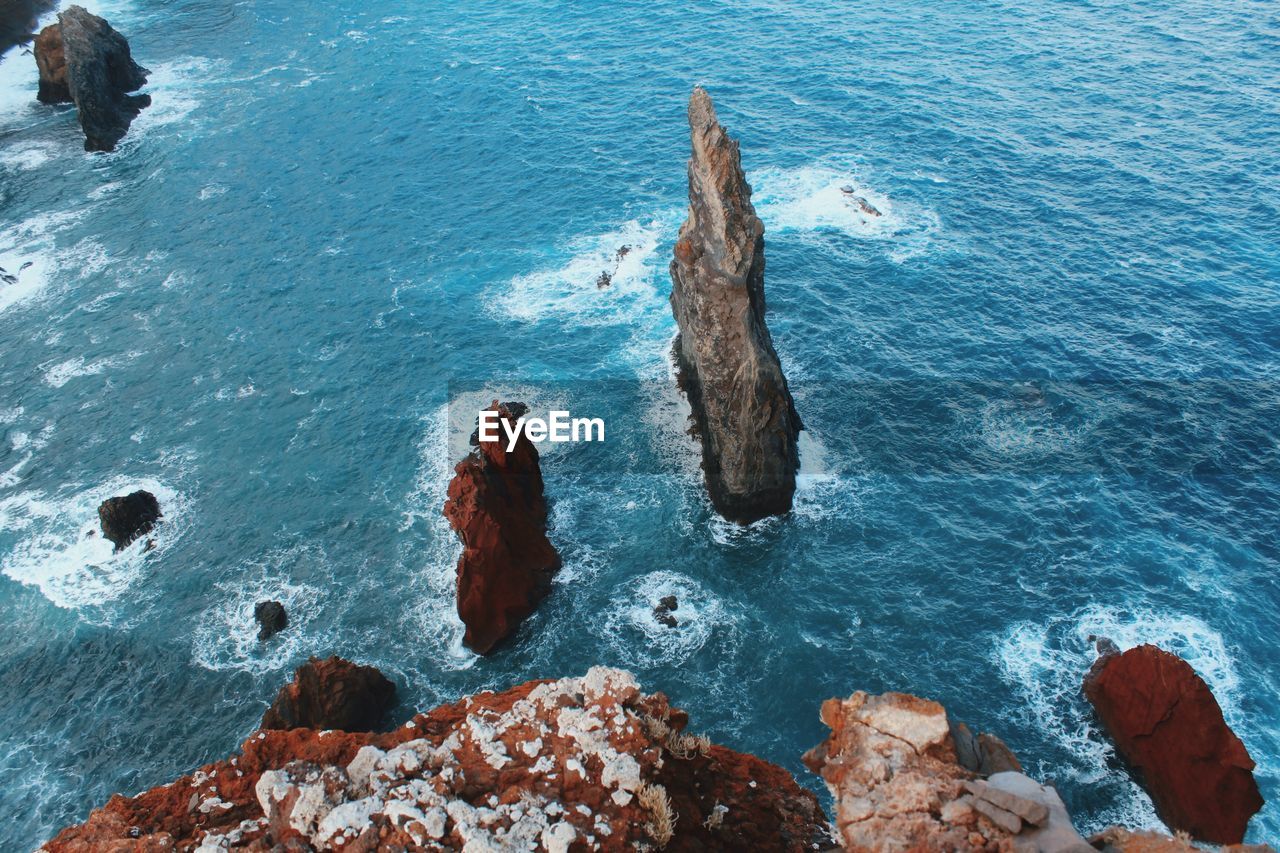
(60,374)
(226,635)
(60,549)
(639,640)
(820,198)
(569,292)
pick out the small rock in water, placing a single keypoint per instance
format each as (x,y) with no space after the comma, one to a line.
(126,518)
(272,618)
(662,611)
(604,280)
(622,253)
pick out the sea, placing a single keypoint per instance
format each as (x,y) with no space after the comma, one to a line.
(1038,383)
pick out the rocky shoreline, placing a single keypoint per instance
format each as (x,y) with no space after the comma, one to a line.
(590,763)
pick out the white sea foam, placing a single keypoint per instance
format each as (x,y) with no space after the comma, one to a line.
(61,551)
(813,198)
(60,374)
(639,640)
(226,636)
(24,156)
(28,251)
(1046,662)
(434,613)
(568,290)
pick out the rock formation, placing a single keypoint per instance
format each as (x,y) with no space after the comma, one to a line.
(727,367)
(332,694)
(579,763)
(18,20)
(497,508)
(271,618)
(892,767)
(126,518)
(1168,728)
(83,60)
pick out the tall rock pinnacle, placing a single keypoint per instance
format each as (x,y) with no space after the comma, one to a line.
(742,408)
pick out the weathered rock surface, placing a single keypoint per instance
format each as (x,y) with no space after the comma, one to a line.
(83,60)
(332,694)
(728,369)
(51,61)
(892,767)
(18,21)
(1120,840)
(1169,729)
(126,518)
(579,763)
(271,618)
(497,507)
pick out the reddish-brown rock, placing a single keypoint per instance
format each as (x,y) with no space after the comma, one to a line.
(1169,729)
(579,763)
(51,60)
(332,694)
(496,506)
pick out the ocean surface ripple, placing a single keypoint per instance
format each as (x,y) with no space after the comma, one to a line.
(1039,389)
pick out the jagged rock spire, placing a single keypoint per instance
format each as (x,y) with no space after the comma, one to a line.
(742,407)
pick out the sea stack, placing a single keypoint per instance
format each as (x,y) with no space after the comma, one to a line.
(1169,729)
(725,360)
(127,517)
(84,61)
(496,506)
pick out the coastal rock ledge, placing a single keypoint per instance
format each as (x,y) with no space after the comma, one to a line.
(497,507)
(578,763)
(726,363)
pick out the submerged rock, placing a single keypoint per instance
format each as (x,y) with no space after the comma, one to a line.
(126,518)
(1169,729)
(892,767)
(332,694)
(727,366)
(579,763)
(83,60)
(271,618)
(663,611)
(497,507)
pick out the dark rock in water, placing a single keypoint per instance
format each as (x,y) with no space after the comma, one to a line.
(742,407)
(332,694)
(1169,729)
(623,251)
(604,280)
(271,618)
(863,205)
(126,518)
(18,20)
(662,611)
(497,508)
(83,60)
(984,754)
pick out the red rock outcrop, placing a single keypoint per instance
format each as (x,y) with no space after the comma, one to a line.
(898,783)
(332,694)
(1168,727)
(51,61)
(496,506)
(728,368)
(579,763)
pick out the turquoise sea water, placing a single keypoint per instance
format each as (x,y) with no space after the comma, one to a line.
(335,222)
